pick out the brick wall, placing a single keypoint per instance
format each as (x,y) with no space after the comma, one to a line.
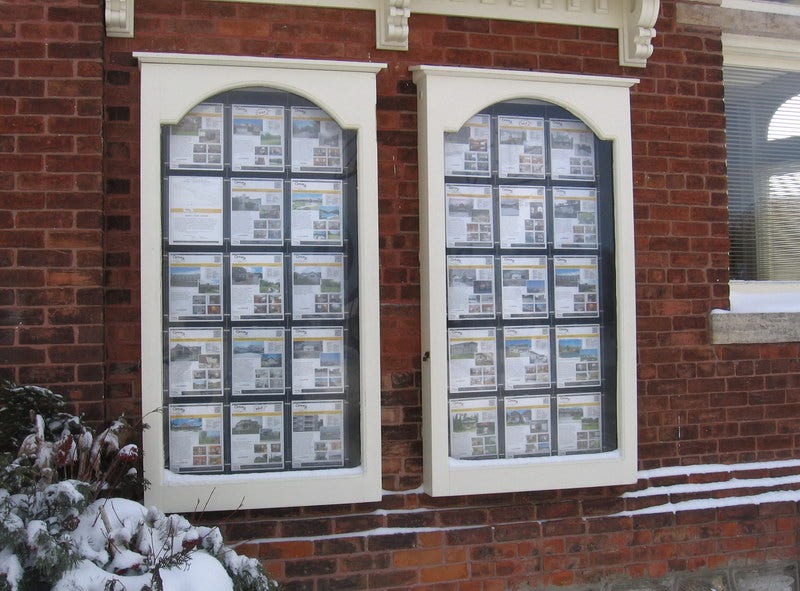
(51,242)
(697,403)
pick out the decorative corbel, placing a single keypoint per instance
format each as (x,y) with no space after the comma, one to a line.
(119,18)
(392,24)
(637,32)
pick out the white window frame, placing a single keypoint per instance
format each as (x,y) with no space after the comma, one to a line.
(448,96)
(754,316)
(171,84)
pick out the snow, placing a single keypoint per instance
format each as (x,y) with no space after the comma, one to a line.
(10,567)
(713,486)
(716,468)
(782,496)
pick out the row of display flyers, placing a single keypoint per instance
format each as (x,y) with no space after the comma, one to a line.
(521,148)
(473,366)
(523,215)
(525,291)
(258,361)
(258,139)
(196,207)
(256,436)
(256,286)
(527,424)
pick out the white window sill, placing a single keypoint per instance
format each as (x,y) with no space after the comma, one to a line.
(761,312)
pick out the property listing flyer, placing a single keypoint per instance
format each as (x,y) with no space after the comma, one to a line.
(469,216)
(472,359)
(195,142)
(318,434)
(195,210)
(576,287)
(195,362)
(520,147)
(527,357)
(258,361)
(467,151)
(317,213)
(317,286)
(578,355)
(571,150)
(528,431)
(256,212)
(195,287)
(524,286)
(256,436)
(522,217)
(256,286)
(195,438)
(579,428)
(473,428)
(470,287)
(317,360)
(574,217)
(258,133)
(316,141)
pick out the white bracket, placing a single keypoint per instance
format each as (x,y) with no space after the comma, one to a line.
(119,18)
(637,32)
(391,21)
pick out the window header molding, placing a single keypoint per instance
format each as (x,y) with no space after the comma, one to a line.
(748,51)
(635,20)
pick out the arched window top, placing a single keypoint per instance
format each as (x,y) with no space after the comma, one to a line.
(785,122)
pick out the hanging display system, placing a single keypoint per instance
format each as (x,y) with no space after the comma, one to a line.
(260,287)
(531,308)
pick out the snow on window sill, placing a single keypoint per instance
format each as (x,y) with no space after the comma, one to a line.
(761,312)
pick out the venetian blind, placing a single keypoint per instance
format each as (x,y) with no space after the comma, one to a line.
(763,137)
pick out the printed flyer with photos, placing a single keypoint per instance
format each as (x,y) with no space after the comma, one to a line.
(195,287)
(578,355)
(574,217)
(317,286)
(195,438)
(528,431)
(523,217)
(318,434)
(258,133)
(317,360)
(472,359)
(571,150)
(576,287)
(579,426)
(195,142)
(258,361)
(467,152)
(469,216)
(520,142)
(195,362)
(527,357)
(256,212)
(256,286)
(473,428)
(524,286)
(256,436)
(316,141)
(470,287)
(316,213)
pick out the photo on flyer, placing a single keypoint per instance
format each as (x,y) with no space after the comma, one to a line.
(578,355)
(195,438)
(520,147)
(195,210)
(256,286)
(527,357)
(316,213)
(257,212)
(579,423)
(528,426)
(470,287)
(195,287)
(195,142)
(316,141)
(472,359)
(257,436)
(467,152)
(195,362)
(317,286)
(318,434)
(524,287)
(258,361)
(574,217)
(576,287)
(469,216)
(258,134)
(523,216)
(473,428)
(571,150)
(317,360)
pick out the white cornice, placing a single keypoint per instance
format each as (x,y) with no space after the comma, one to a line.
(761,52)
(197,59)
(119,18)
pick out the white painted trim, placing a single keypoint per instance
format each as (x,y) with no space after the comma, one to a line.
(170,86)
(772,53)
(447,97)
(119,18)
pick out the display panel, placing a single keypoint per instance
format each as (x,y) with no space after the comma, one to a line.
(259,217)
(529,248)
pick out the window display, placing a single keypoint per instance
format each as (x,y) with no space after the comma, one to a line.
(260,287)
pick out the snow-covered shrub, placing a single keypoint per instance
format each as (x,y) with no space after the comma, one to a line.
(58,532)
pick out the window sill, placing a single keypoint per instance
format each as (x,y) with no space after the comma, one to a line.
(761,312)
